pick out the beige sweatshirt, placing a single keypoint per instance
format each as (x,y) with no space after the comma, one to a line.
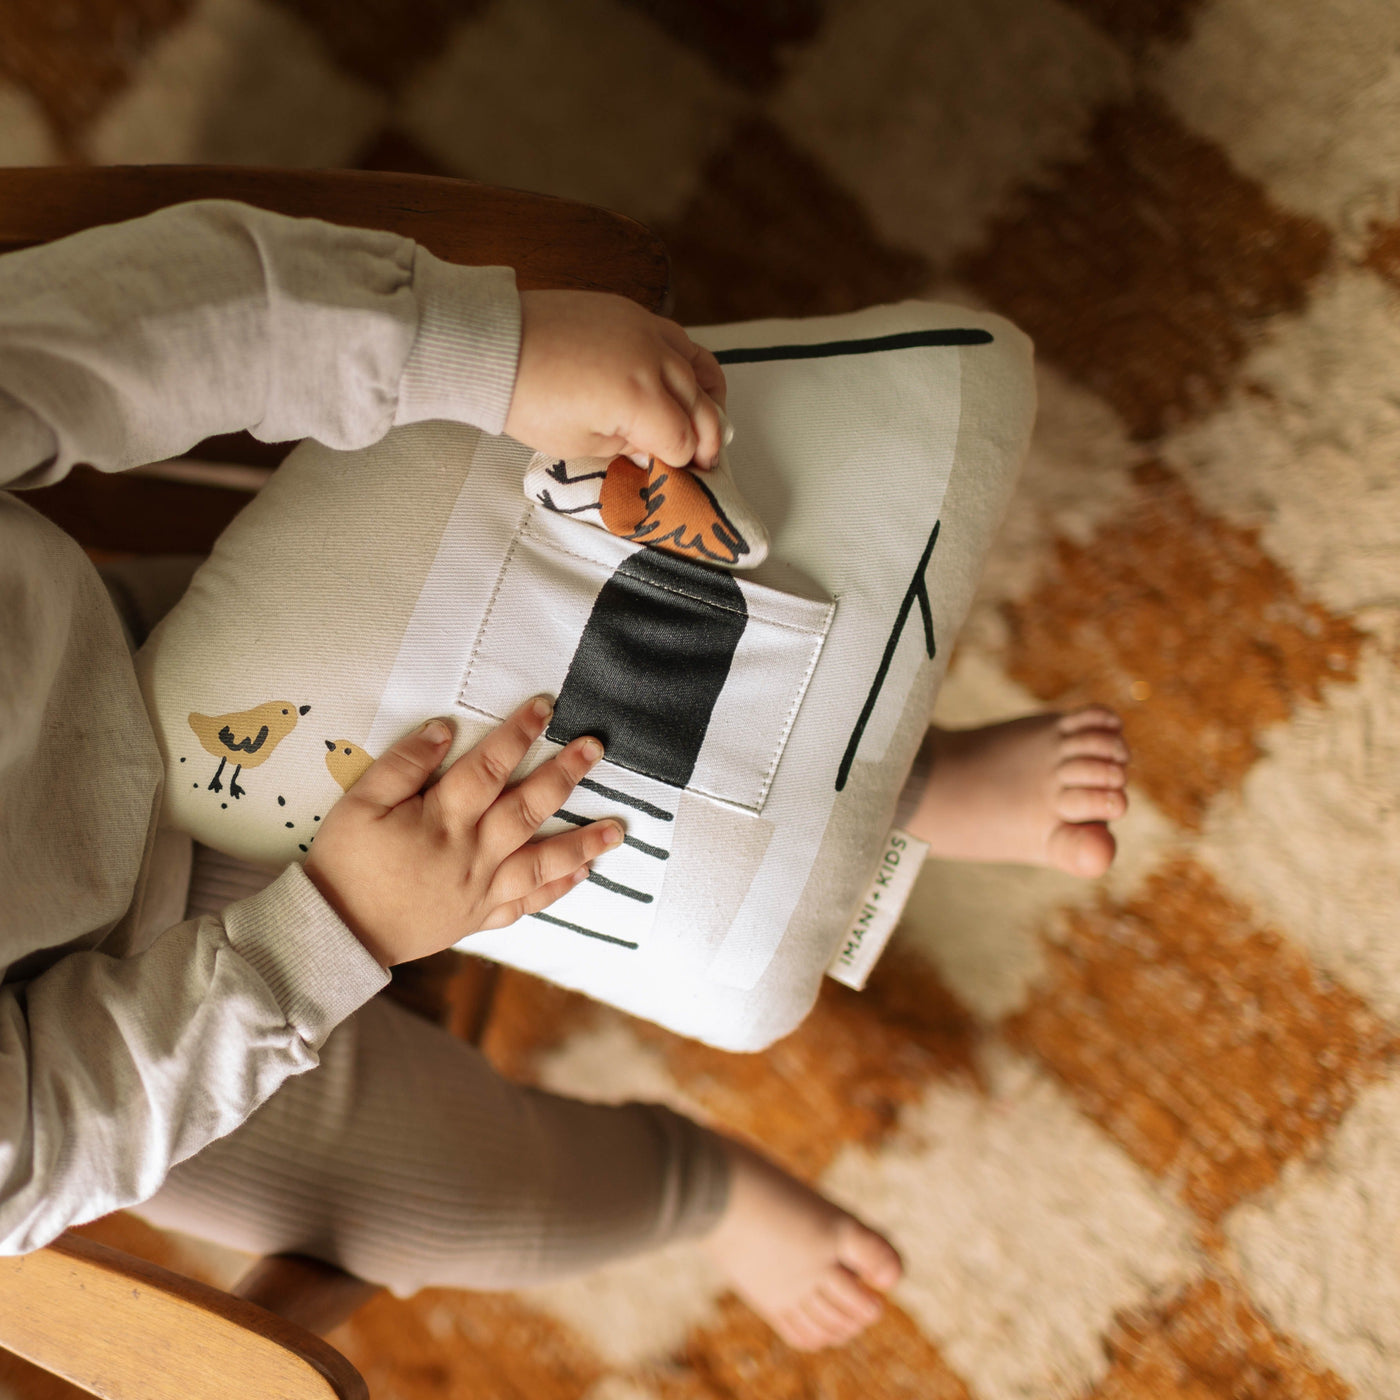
(127,1041)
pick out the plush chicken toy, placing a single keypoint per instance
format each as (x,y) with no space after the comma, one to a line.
(697,515)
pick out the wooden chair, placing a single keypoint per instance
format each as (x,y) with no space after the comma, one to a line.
(110,1323)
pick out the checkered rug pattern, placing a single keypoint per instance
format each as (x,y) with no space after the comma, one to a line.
(1138,1138)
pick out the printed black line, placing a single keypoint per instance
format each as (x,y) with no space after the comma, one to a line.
(917,589)
(632,841)
(906,340)
(617,796)
(641,896)
(587,932)
(926,608)
(559,472)
(247,744)
(547,501)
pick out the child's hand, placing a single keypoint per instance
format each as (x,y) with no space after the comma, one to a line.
(411,872)
(599,376)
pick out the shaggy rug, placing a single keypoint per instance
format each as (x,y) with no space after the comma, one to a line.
(1139,1138)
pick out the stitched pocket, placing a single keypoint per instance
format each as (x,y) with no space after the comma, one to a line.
(688,674)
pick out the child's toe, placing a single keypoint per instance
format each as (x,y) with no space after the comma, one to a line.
(854,1299)
(1085,849)
(1090,804)
(1090,772)
(1090,717)
(798,1330)
(1094,743)
(833,1323)
(869,1256)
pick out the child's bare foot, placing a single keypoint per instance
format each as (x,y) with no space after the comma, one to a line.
(1035,791)
(810,1270)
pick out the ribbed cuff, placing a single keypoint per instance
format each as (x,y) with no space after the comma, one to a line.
(695,1181)
(462,364)
(316,968)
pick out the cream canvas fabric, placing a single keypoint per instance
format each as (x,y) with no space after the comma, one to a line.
(759,725)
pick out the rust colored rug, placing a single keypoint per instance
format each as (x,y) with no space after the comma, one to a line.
(1139,1139)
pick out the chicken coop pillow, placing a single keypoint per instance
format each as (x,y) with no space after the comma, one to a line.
(759,722)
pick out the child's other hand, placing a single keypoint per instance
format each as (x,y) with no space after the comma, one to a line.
(599,376)
(411,872)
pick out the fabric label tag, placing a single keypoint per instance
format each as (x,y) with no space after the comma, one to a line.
(879,911)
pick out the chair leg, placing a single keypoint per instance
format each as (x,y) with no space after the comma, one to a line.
(470,994)
(313,1294)
(452,989)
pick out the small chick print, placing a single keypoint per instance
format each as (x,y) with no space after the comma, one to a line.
(346,761)
(248,737)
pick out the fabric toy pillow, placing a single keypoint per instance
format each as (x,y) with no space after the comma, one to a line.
(759,724)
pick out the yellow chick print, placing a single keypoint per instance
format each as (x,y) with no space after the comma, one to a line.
(347,761)
(246,736)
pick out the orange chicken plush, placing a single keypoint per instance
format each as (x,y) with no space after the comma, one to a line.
(249,737)
(668,508)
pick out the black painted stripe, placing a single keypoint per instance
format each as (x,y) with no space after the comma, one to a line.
(645,849)
(641,896)
(587,932)
(651,662)
(547,501)
(632,841)
(618,796)
(559,472)
(918,589)
(906,340)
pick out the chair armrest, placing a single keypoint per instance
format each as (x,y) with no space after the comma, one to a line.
(131,513)
(125,1329)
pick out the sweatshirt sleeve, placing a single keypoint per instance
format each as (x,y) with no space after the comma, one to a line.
(130,342)
(113,1070)
(121,1053)
(122,345)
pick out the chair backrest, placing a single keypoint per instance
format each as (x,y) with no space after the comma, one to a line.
(550,242)
(117,1326)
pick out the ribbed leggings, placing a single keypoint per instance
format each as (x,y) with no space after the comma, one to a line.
(404,1158)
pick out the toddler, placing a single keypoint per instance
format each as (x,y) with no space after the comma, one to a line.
(214,1056)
